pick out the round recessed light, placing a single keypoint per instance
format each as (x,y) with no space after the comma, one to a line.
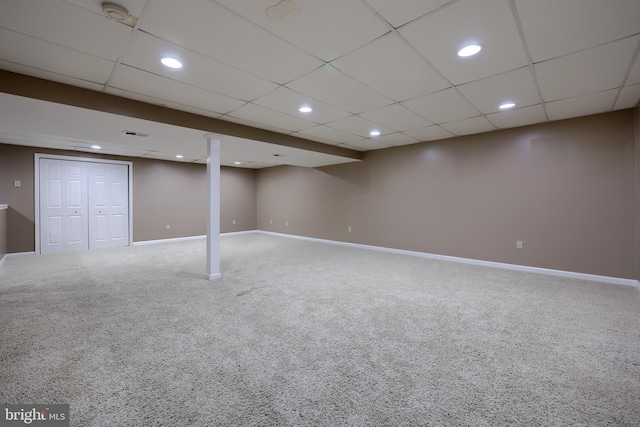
(171,62)
(374,133)
(469,50)
(179,156)
(305,109)
(507,105)
(96,147)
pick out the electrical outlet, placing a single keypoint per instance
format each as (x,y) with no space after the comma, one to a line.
(234,221)
(286,223)
(349,229)
(17,184)
(168,227)
(518,244)
(270,221)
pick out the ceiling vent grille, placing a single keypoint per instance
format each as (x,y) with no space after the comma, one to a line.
(134,133)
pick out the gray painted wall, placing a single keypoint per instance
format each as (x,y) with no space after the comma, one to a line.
(3,233)
(637,122)
(164,193)
(567,189)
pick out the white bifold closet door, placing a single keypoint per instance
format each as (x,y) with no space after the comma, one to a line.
(108,205)
(64,225)
(83,205)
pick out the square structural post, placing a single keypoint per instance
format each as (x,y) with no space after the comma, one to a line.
(213,208)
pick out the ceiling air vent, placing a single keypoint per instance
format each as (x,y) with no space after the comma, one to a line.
(134,133)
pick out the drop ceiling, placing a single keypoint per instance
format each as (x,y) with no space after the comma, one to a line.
(360,64)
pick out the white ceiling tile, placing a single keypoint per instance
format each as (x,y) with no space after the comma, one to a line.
(588,71)
(518,117)
(490,23)
(234,54)
(327,29)
(468,126)
(36,140)
(65,24)
(553,28)
(325,134)
(337,89)
(134,7)
(162,102)
(594,103)
(517,86)
(393,68)
(396,139)
(116,149)
(85,125)
(47,75)
(288,101)
(76,126)
(429,133)
(135,80)
(629,97)
(396,117)
(399,12)
(358,126)
(441,107)
(212,30)
(197,70)
(36,53)
(257,114)
(634,74)
(366,144)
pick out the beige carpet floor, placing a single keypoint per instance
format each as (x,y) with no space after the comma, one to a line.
(301,333)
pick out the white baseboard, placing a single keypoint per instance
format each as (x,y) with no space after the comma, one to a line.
(516,267)
(175,239)
(17,254)
(180,239)
(236,233)
(13,255)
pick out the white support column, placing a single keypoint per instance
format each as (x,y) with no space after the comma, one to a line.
(213,207)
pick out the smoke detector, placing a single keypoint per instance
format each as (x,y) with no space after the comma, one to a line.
(118,13)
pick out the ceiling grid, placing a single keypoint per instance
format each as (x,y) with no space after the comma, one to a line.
(360,65)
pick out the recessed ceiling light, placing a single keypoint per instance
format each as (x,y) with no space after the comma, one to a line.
(237,163)
(374,133)
(96,147)
(305,109)
(171,62)
(179,156)
(507,105)
(469,50)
